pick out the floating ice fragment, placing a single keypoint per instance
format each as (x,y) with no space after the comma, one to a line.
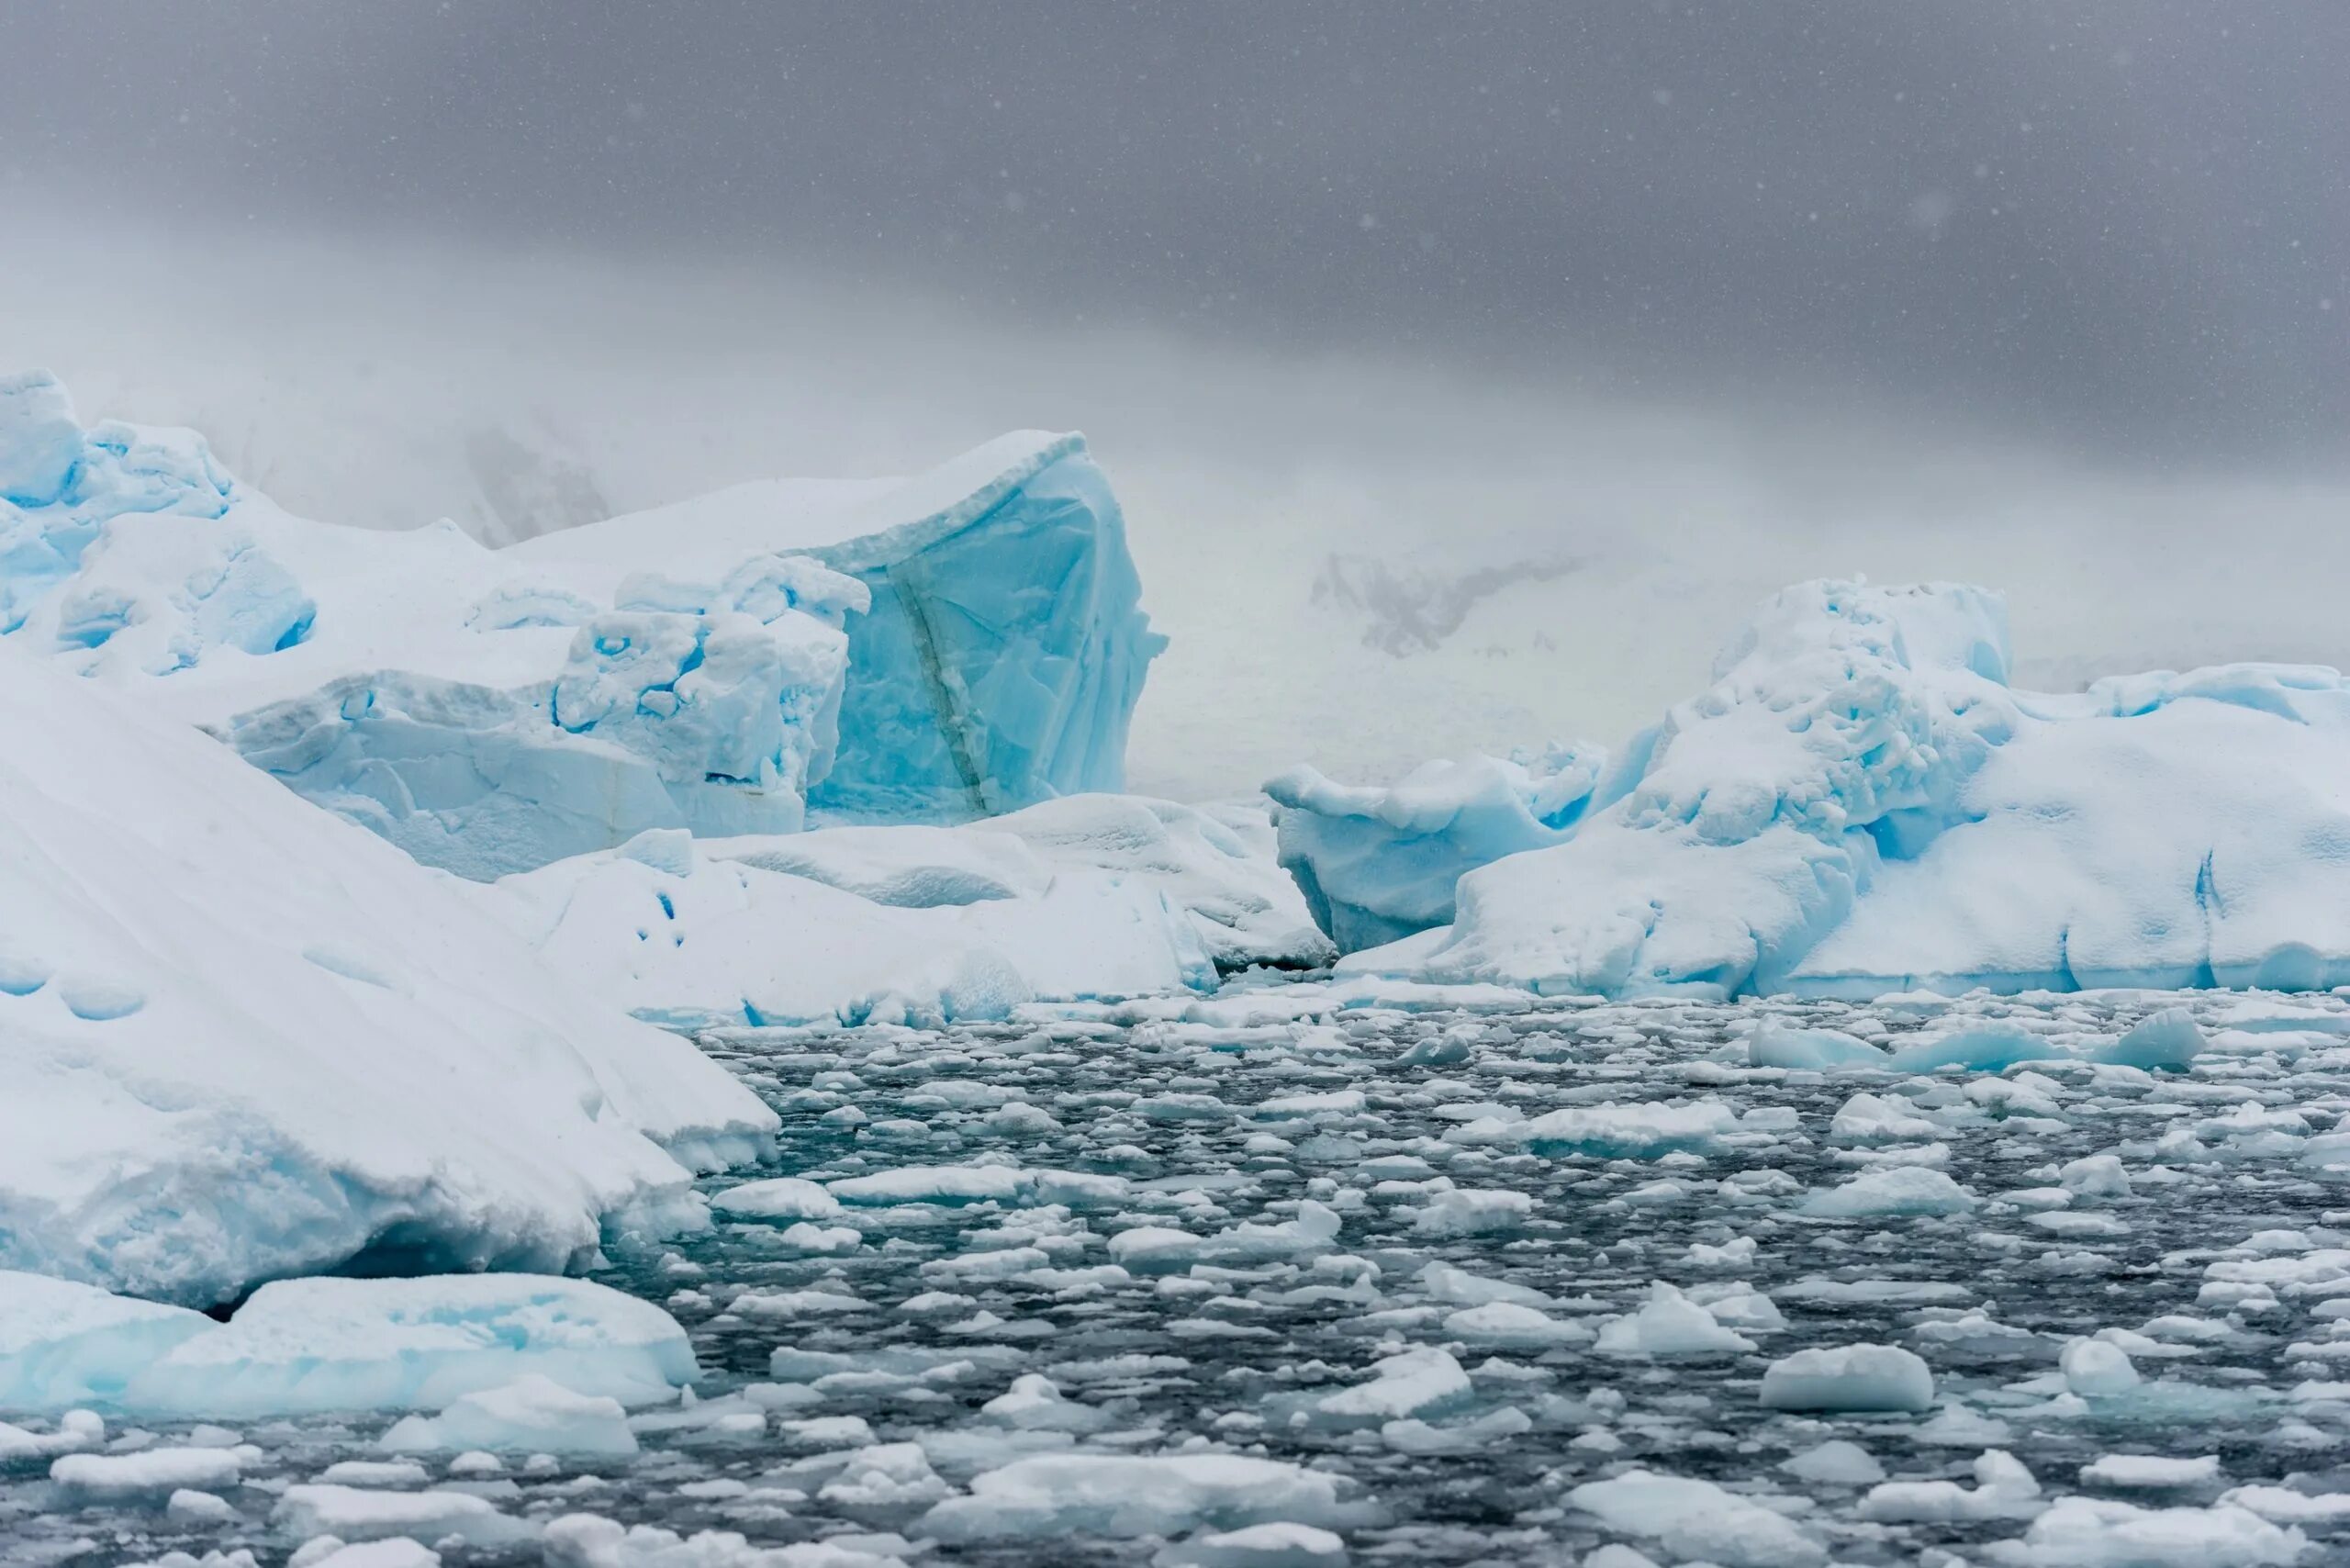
(2090,1532)
(1835,1462)
(331,1344)
(1896,1190)
(2003,1489)
(351,1513)
(1848,1377)
(1126,1496)
(1670,1324)
(2097,1370)
(2150,1473)
(531,1414)
(1697,1521)
(1414,1382)
(146,1471)
(1256,1546)
(1775,1043)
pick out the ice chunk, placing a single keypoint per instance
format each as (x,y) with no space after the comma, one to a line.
(1696,1520)
(2003,1489)
(1380,864)
(776,1198)
(2167,1039)
(2096,1369)
(1777,1044)
(1411,1382)
(1890,1192)
(1670,1324)
(1848,1377)
(353,1514)
(393,1552)
(328,1344)
(1471,1211)
(1256,1546)
(1835,1463)
(531,1414)
(63,1344)
(2089,1532)
(1126,1496)
(587,1540)
(153,1471)
(1643,1131)
(2150,1472)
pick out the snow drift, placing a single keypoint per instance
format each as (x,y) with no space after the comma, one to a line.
(965,642)
(241,1039)
(1861,804)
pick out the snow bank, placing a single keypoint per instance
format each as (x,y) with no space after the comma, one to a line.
(665,929)
(1861,804)
(1216,867)
(964,643)
(204,980)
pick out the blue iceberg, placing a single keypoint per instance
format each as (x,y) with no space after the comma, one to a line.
(1862,804)
(944,648)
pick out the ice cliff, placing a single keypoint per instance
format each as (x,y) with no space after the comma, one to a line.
(240,1039)
(1860,803)
(962,643)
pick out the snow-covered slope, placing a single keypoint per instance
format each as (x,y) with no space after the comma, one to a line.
(1861,804)
(241,1039)
(490,711)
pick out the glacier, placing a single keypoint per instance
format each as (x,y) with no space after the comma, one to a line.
(204,978)
(960,644)
(1861,804)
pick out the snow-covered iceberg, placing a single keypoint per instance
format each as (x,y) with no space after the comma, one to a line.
(1001,648)
(964,643)
(1377,864)
(241,1039)
(1861,804)
(1087,897)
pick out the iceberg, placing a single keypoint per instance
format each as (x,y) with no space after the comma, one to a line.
(1001,648)
(960,644)
(1217,864)
(1380,864)
(202,976)
(693,932)
(311,1346)
(1862,804)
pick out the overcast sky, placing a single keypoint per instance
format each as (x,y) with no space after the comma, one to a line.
(2119,225)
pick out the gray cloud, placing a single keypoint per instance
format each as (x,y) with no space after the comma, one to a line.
(2120,224)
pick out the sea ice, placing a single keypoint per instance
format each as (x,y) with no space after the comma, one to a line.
(1848,1377)
(1696,1520)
